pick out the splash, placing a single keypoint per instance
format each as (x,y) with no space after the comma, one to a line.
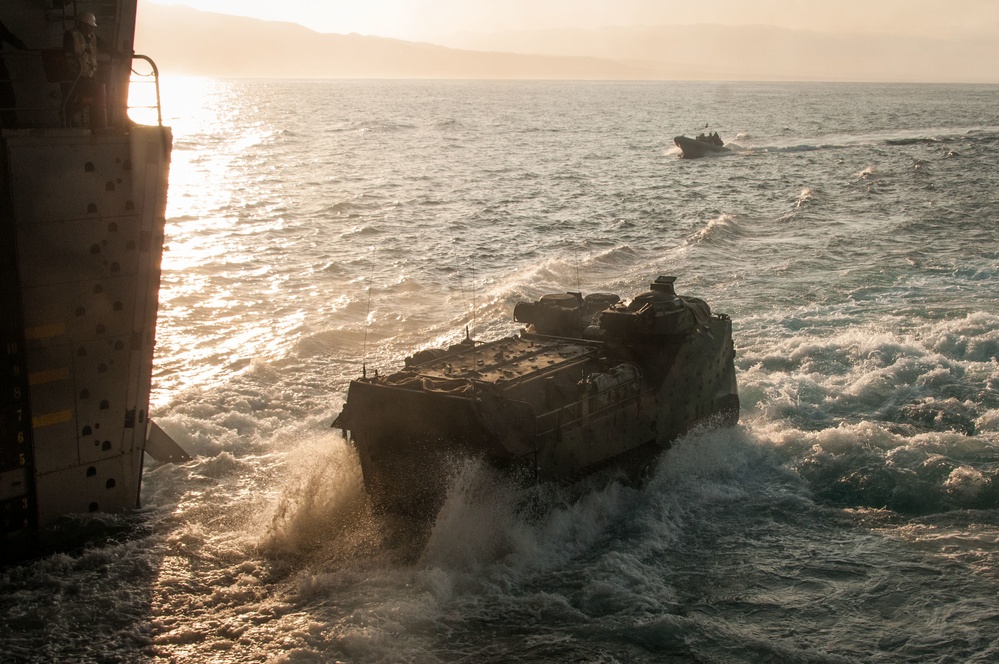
(322,512)
(806,196)
(478,523)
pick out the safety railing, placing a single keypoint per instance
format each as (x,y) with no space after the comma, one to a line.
(155,76)
(592,406)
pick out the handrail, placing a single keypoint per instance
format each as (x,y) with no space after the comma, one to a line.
(620,393)
(156,82)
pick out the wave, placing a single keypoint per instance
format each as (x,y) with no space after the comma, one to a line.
(806,196)
(864,374)
(868,465)
(383,127)
(917,141)
(450,123)
(723,228)
(874,417)
(493,519)
(805,199)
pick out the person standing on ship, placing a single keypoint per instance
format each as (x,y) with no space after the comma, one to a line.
(82,44)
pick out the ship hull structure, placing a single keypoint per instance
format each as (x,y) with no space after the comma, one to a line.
(81,241)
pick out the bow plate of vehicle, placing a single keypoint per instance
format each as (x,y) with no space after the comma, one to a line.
(588,382)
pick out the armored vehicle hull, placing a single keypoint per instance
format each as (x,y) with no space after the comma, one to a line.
(589,382)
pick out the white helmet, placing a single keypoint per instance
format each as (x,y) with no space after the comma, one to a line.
(88,18)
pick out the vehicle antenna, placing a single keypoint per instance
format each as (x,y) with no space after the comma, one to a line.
(575,253)
(461,282)
(367,318)
(471,268)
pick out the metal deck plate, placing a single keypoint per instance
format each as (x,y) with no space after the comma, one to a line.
(509,359)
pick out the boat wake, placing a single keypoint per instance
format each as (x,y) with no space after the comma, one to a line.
(943,137)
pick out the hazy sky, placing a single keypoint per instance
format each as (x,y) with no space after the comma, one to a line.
(425,19)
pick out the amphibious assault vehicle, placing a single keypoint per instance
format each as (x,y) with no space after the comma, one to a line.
(590,381)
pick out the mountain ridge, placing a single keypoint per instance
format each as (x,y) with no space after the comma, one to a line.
(232,46)
(222,45)
(756,52)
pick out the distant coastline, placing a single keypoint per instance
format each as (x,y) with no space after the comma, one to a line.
(186,41)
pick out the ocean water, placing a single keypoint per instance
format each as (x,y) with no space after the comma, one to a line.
(315,226)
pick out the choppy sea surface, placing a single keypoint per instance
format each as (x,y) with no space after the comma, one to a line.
(851,516)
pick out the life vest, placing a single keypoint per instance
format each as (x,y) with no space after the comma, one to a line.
(85,50)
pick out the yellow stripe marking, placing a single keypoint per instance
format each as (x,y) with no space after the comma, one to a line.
(45,331)
(39,421)
(50,376)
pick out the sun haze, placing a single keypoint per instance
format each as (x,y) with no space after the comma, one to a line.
(422,19)
(856,40)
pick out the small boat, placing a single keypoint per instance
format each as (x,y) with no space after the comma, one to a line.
(589,382)
(702,146)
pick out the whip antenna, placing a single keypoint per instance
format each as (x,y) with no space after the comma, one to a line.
(461,281)
(575,254)
(475,362)
(367,317)
(471,268)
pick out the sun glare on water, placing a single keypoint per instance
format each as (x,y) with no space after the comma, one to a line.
(208,261)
